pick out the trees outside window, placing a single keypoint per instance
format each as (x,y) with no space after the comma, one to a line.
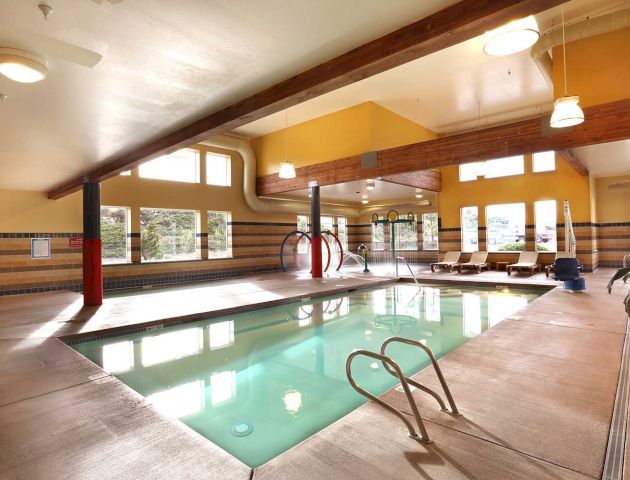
(168,234)
(378,236)
(546,236)
(430,231)
(406,235)
(219,235)
(114,238)
(470,229)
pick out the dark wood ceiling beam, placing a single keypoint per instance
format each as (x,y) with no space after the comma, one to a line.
(572,159)
(604,123)
(424,179)
(455,24)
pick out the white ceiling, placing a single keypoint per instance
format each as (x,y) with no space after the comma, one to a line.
(164,63)
(454,89)
(606,159)
(353,192)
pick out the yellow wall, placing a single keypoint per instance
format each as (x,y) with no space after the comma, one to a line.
(352,131)
(612,206)
(25,211)
(598,68)
(562,184)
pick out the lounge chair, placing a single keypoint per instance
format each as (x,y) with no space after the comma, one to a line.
(477,262)
(526,261)
(551,268)
(450,260)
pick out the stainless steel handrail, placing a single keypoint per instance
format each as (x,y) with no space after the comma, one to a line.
(424,436)
(418,385)
(410,270)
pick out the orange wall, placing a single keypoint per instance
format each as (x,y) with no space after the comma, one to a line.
(562,184)
(598,68)
(352,131)
(612,206)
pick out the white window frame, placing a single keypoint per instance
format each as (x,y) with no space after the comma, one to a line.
(227,181)
(172,157)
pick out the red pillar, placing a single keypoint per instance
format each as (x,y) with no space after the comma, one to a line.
(316,236)
(92,266)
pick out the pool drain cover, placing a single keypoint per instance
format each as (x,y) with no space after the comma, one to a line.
(242,429)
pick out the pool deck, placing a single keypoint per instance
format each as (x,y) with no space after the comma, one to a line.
(536,392)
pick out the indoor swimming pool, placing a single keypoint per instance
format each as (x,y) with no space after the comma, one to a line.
(258,383)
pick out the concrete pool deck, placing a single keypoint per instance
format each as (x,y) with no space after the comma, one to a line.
(536,393)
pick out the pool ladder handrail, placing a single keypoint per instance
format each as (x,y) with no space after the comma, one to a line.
(394,369)
(410,270)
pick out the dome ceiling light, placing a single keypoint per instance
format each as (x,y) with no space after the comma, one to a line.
(513,37)
(566,111)
(22,66)
(286,168)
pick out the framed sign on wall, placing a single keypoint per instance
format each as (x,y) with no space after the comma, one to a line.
(40,248)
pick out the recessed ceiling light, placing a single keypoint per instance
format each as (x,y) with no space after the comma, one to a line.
(21,66)
(512,37)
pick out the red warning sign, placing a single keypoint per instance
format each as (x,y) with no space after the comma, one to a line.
(75,242)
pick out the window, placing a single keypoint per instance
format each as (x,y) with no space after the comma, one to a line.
(168,234)
(470,171)
(378,236)
(506,227)
(219,234)
(504,167)
(546,238)
(218,169)
(302,225)
(406,235)
(114,234)
(126,173)
(470,229)
(500,167)
(180,166)
(430,231)
(326,223)
(544,162)
(342,232)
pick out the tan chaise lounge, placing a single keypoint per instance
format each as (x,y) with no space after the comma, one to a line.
(526,261)
(450,261)
(477,262)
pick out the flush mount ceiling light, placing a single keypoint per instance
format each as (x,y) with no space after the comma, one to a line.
(566,111)
(512,37)
(418,193)
(364,200)
(286,168)
(370,184)
(21,66)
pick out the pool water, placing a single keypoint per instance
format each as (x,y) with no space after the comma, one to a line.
(257,383)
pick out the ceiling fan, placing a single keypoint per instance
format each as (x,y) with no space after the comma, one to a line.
(23,36)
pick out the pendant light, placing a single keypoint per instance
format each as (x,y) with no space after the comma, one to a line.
(566,111)
(512,37)
(286,168)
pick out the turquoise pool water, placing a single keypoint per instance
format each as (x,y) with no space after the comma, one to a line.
(259,382)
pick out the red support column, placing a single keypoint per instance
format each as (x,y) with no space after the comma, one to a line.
(316,235)
(92,265)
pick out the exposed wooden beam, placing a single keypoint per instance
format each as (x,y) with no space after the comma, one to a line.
(604,123)
(424,179)
(572,159)
(455,24)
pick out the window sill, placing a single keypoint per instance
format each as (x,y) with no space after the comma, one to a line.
(117,264)
(157,262)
